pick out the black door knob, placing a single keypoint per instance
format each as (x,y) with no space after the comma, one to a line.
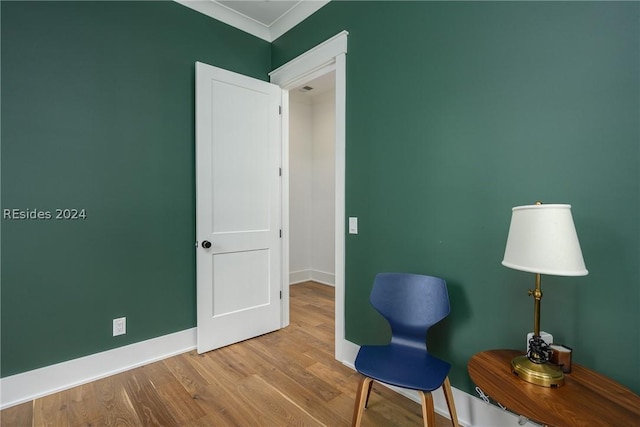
(206,244)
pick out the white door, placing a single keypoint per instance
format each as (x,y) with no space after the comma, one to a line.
(238,207)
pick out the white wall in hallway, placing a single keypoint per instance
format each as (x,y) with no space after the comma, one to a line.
(312,187)
(300,168)
(323,184)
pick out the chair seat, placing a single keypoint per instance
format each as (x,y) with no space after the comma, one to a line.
(402,366)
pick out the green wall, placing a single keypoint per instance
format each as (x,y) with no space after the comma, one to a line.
(98,114)
(458,111)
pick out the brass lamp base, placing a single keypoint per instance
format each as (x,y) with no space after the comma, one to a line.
(544,374)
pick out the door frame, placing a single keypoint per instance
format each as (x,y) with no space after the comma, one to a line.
(324,58)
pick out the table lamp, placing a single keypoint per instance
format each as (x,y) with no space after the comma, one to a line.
(542,240)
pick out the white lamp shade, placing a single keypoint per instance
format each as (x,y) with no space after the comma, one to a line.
(542,239)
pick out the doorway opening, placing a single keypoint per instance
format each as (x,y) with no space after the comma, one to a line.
(312,181)
(329,56)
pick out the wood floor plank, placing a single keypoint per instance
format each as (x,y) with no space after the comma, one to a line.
(183,370)
(208,421)
(19,415)
(180,403)
(328,359)
(83,406)
(113,401)
(159,374)
(51,411)
(222,402)
(288,348)
(220,365)
(344,383)
(146,401)
(308,315)
(275,407)
(342,406)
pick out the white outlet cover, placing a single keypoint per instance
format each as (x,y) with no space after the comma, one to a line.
(119,326)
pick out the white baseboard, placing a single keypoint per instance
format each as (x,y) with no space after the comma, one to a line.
(40,382)
(299,276)
(315,275)
(323,277)
(472,411)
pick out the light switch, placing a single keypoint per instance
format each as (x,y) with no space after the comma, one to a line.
(353,225)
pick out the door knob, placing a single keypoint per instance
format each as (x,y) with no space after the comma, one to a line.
(206,244)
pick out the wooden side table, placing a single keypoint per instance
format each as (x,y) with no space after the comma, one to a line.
(586,398)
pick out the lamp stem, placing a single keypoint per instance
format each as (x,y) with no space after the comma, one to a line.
(537,295)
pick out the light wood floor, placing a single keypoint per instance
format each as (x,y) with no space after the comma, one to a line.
(288,377)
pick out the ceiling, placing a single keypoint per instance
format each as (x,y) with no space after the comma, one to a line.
(315,87)
(265,12)
(266,19)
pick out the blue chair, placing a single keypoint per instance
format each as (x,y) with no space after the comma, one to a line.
(411,303)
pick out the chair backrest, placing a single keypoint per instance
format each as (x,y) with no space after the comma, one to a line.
(411,303)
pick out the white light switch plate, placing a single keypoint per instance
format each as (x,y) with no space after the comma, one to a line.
(353,225)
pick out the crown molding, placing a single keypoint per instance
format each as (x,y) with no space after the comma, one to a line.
(293,17)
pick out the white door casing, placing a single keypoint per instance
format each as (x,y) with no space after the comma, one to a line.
(325,57)
(238,207)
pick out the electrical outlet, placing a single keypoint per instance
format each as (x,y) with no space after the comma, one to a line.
(119,326)
(546,337)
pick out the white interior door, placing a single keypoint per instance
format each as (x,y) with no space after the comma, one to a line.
(238,207)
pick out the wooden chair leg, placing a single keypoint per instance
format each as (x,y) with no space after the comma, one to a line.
(366,402)
(448,396)
(428,413)
(363,388)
